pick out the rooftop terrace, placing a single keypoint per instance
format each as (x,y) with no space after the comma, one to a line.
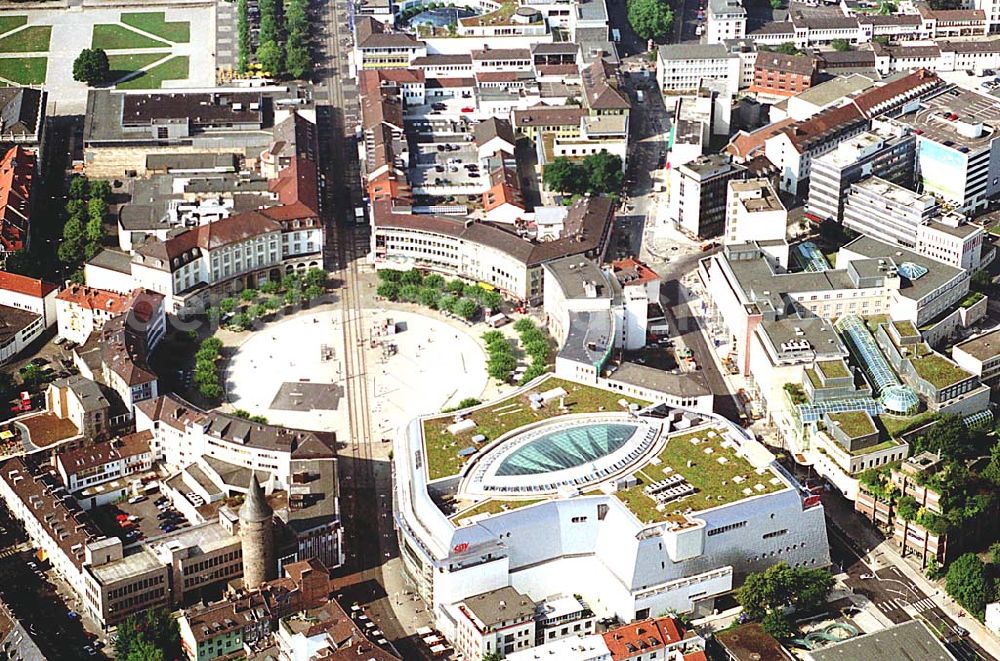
(719,475)
(442,448)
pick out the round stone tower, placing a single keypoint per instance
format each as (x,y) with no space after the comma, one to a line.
(257,537)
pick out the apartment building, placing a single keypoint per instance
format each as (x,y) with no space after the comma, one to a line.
(89,465)
(82,402)
(500,621)
(950,240)
(18,168)
(754,212)
(81,310)
(376,46)
(877,153)
(780,76)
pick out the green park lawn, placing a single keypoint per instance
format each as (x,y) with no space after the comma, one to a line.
(29,40)
(24,70)
(175,68)
(123,65)
(156,23)
(110,37)
(8,23)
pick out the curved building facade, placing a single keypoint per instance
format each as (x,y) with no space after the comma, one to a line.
(659,509)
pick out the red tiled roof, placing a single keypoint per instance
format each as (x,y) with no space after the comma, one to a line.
(90,298)
(17,171)
(24,285)
(745,144)
(630,271)
(626,641)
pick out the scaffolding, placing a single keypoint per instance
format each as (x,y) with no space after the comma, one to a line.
(892,394)
(810,257)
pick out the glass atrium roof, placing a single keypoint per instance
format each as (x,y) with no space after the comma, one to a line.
(566,448)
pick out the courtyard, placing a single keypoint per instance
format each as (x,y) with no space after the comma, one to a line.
(146,49)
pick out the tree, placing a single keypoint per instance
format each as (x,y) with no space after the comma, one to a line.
(313,292)
(78,188)
(270,57)
(150,635)
(31,374)
(243,41)
(100,190)
(776,4)
(777,624)
(491,300)
(968,582)
(992,470)
(787,48)
(91,66)
(468,402)
(268,287)
(650,19)
(429,297)
(565,176)
(389,275)
(466,308)
(907,507)
(228,304)
(981,281)
(388,290)
(780,586)
(523,325)
(841,45)
(297,60)
(434,280)
(412,277)
(456,286)
(249,295)
(492,656)
(951,437)
(315,277)
(500,366)
(409,293)
(604,172)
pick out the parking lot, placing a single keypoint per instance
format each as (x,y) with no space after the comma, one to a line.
(448,164)
(135,521)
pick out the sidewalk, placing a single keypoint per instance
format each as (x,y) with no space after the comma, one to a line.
(977,631)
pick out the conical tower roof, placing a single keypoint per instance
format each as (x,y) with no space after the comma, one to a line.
(255,507)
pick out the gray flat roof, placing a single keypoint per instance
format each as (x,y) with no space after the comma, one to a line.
(586,330)
(114,260)
(574,273)
(819,333)
(500,605)
(909,641)
(694,52)
(689,384)
(829,92)
(937,274)
(968,107)
(983,347)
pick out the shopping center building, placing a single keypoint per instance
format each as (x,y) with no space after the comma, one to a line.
(661,509)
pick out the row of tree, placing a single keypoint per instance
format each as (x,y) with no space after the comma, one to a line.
(206,368)
(599,174)
(283,40)
(500,361)
(536,345)
(432,291)
(254,304)
(972,582)
(83,231)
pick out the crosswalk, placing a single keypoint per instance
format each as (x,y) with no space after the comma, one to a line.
(899,603)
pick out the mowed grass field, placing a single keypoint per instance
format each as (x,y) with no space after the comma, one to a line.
(24,70)
(176,68)
(34,39)
(156,23)
(116,37)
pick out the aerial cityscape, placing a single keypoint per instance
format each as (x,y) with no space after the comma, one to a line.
(564,330)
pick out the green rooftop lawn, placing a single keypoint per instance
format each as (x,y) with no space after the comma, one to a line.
(494,507)
(176,68)
(29,40)
(24,70)
(878,447)
(156,23)
(813,377)
(995,230)
(938,370)
(110,37)
(712,480)
(501,16)
(875,320)
(905,328)
(833,369)
(495,420)
(854,423)
(8,23)
(896,425)
(123,65)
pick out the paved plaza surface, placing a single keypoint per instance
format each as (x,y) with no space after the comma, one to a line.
(72,30)
(280,372)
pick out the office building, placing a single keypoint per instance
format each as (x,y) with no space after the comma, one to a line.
(684,67)
(980,355)
(754,212)
(698,194)
(887,212)
(878,153)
